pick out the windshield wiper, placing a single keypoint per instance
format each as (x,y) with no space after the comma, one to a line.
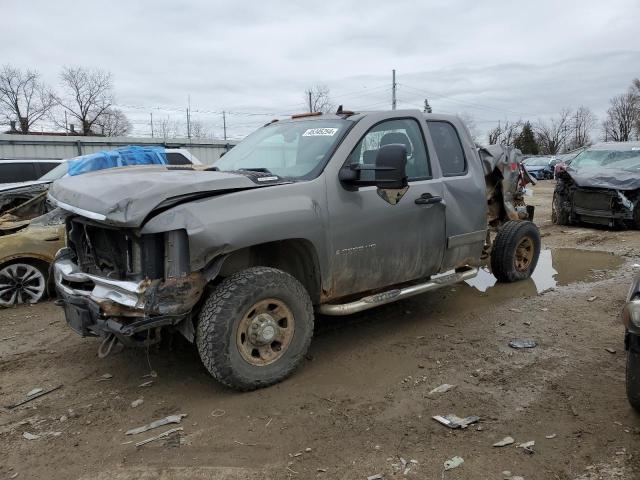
(257,169)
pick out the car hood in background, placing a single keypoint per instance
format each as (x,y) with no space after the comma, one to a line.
(605,178)
(127,196)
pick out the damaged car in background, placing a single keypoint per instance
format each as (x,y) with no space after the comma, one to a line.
(328,213)
(32,230)
(601,186)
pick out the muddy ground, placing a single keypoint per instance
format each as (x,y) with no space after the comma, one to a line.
(361,401)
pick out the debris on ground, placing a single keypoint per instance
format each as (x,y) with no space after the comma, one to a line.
(159,436)
(610,350)
(30,436)
(591,299)
(377,476)
(146,384)
(404,466)
(452,463)
(105,377)
(527,447)
(445,387)
(33,396)
(35,391)
(453,421)
(522,344)
(158,423)
(550,437)
(515,310)
(504,442)
(137,403)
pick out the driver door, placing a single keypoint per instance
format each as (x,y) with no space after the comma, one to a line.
(376,243)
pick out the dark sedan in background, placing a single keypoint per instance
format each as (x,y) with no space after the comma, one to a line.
(540,168)
(601,186)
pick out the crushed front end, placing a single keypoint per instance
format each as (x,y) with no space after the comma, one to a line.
(118,284)
(608,207)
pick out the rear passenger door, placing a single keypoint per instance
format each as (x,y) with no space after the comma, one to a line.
(464,192)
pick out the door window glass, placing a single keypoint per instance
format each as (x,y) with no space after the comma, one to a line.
(448,148)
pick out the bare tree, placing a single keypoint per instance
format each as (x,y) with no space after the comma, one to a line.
(23,97)
(552,134)
(622,117)
(317,99)
(198,129)
(168,128)
(505,135)
(113,123)
(583,122)
(87,95)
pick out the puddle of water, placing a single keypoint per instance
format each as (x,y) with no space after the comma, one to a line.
(557,267)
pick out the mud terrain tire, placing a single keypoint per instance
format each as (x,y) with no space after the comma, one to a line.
(559,215)
(229,353)
(515,251)
(633,379)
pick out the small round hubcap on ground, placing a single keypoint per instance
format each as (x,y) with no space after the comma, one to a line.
(20,283)
(524,254)
(265,332)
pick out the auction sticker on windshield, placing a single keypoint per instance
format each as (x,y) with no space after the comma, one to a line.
(320,132)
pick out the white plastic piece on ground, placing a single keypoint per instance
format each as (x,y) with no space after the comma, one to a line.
(158,423)
(34,392)
(454,462)
(504,442)
(445,387)
(30,436)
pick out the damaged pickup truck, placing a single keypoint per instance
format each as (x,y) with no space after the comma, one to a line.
(601,186)
(333,213)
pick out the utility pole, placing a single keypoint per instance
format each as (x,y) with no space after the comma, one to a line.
(189,116)
(151,115)
(66,125)
(224,124)
(393,90)
(310,106)
(427,107)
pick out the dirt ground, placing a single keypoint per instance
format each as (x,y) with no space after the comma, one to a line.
(361,401)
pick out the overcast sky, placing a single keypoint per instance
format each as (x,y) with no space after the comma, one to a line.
(491,59)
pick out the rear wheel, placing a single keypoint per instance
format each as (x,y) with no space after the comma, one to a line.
(633,378)
(515,251)
(255,328)
(21,282)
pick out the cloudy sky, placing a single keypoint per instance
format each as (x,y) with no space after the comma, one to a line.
(491,59)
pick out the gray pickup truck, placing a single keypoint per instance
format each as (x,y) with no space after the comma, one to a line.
(331,214)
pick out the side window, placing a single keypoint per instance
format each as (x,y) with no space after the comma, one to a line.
(17,172)
(448,148)
(405,131)
(175,158)
(45,167)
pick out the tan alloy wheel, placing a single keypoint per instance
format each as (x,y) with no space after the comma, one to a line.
(265,332)
(524,254)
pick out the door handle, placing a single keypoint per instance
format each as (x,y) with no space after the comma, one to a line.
(428,199)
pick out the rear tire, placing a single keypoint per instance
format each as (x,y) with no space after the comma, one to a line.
(633,379)
(255,328)
(515,251)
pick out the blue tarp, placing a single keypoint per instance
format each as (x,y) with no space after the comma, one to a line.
(120,157)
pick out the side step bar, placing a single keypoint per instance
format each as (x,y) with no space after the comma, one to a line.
(398,293)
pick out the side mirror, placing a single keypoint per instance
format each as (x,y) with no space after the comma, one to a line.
(391,167)
(389,170)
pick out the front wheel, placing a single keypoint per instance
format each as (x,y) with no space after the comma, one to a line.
(255,328)
(633,378)
(515,251)
(21,282)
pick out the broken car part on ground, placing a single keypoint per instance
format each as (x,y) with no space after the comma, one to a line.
(333,213)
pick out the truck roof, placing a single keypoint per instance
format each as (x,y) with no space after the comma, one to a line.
(355,116)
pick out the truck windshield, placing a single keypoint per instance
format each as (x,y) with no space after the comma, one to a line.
(291,149)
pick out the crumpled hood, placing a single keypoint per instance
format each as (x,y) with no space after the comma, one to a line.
(605,178)
(126,196)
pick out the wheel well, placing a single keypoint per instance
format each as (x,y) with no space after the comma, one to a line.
(36,262)
(297,257)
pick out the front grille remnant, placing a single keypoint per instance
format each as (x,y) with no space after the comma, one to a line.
(100,251)
(593,199)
